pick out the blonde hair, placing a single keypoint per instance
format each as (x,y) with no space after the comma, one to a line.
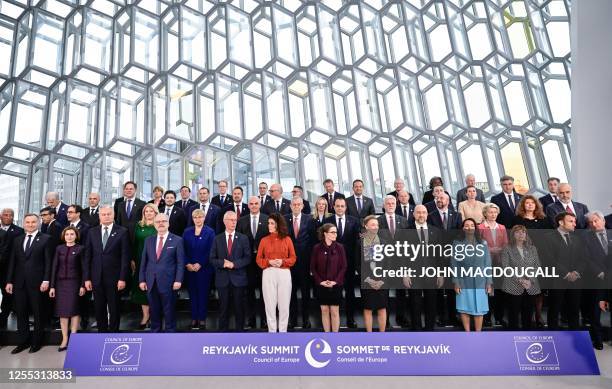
(142,222)
(486,208)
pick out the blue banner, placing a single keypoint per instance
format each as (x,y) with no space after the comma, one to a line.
(338,354)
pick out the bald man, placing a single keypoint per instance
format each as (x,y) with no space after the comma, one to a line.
(566,204)
(277,203)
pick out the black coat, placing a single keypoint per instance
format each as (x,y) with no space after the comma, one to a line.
(244,227)
(230,207)
(303,242)
(216,200)
(111,263)
(188,205)
(13,232)
(121,216)
(410,198)
(506,214)
(30,268)
(178,220)
(367,207)
(270,207)
(330,204)
(93,219)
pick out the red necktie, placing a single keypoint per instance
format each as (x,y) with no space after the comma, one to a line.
(238,211)
(568,209)
(296,227)
(160,246)
(229,245)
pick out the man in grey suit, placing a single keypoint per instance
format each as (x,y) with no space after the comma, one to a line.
(470,180)
(565,204)
(358,205)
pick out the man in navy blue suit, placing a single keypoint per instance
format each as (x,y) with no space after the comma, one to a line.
(298,191)
(230,256)
(236,205)
(186,203)
(277,203)
(348,235)
(108,262)
(211,211)
(300,229)
(176,215)
(161,273)
(331,195)
(442,216)
(53,200)
(223,198)
(565,204)
(553,192)
(507,201)
(404,207)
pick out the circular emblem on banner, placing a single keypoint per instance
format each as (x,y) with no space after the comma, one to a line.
(120,355)
(321,347)
(535,353)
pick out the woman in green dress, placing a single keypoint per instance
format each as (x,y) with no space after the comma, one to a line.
(142,230)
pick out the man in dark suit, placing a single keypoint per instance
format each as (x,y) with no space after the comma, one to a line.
(399,186)
(553,193)
(609,222)
(470,180)
(51,226)
(254,226)
(348,235)
(178,220)
(230,255)
(404,208)
(507,201)
(277,203)
(298,191)
(564,251)
(300,227)
(263,193)
(358,205)
(437,191)
(74,220)
(186,203)
(128,209)
(565,204)
(53,201)
(331,195)
(27,278)
(442,217)
(108,257)
(161,273)
(223,198)
(598,245)
(211,211)
(90,213)
(12,231)
(236,205)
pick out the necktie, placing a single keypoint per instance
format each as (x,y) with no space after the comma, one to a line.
(568,209)
(28,243)
(404,211)
(391,226)
(168,211)
(128,210)
(204,209)
(229,245)
(72,225)
(296,227)
(340,229)
(358,204)
(511,202)
(277,206)
(184,203)
(104,237)
(160,246)
(222,200)
(330,202)
(554,198)
(91,211)
(444,220)
(254,226)
(567,239)
(422,234)
(238,210)
(261,199)
(604,243)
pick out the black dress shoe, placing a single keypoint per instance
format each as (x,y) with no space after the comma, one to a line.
(351,323)
(34,349)
(264,325)
(306,324)
(292,325)
(251,323)
(598,345)
(487,323)
(202,326)
(19,348)
(60,349)
(195,325)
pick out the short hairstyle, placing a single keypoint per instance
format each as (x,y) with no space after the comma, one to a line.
(204,188)
(239,188)
(368,218)
(389,197)
(227,214)
(338,199)
(77,208)
(70,228)
(488,206)
(298,187)
(281,225)
(297,199)
(130,182)
(55,195)
(599,214)
(263,183)
(223,181)
(357,180)
(185,186)
(328,180)
(197,212)
(553,179)
(506,177)
(30,215)
(561,216)
(173,193)
(51,210)
(323,229)
(158,188)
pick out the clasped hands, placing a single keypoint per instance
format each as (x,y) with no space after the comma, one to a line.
(275,262)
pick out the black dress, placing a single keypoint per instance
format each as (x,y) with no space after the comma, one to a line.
(67,279)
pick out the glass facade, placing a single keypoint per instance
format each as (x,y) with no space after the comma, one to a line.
(97,92)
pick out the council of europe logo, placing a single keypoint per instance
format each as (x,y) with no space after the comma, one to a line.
(539,353)
(321,348)
(121,354)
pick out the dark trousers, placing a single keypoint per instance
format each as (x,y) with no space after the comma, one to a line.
(401,303)
(236,293)
(162,300)
(497,305)
(563,298)
(198,285)
(6,307)
(254,306)
(349,292)
(423,300)
(523,305)
(29,300)
(446,305)
(300,279)
(106,304)
(85,308)
(592,299)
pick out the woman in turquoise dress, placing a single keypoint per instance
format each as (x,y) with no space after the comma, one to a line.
(472,291)
(142,230)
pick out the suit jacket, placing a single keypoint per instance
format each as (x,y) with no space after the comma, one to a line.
(74,268)
(462,195)
(240,256)
(428,196)
(302,243)
(401,223)
(112,263)
(244,227)
(434,236)
(216,200)
(230,207)
(367,207)
(270,207)
(83,231)
(121,216)
(4,254)
(306,210)
(265,199)
(212,216)
(409,210)
(547,200)
(609,222)
(178,220)
(170,266)
(410,199)
(581,210)
(453,220)
(350,236)
(92,220)
(598,260)
(11,233)
(565,258)
(54,229)
(62,214)
(30,268)
(431,206)
(330,205)
(506,214)
(190,203)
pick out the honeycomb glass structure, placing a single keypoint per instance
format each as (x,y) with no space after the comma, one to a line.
(173,92)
